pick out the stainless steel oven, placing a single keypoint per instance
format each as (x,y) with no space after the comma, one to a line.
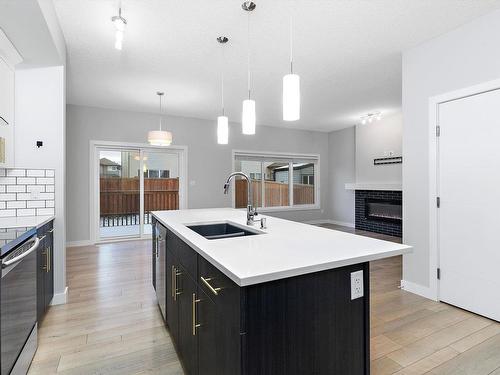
(18,298)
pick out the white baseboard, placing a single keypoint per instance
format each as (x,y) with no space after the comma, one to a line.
(60,298)
(79,243)
(328,221)
(423,291)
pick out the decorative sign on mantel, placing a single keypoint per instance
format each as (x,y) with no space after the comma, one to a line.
(390,160)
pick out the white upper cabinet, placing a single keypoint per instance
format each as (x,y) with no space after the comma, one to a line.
(7,115)
(9,57)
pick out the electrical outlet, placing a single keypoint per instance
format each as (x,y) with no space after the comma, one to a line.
(356,284)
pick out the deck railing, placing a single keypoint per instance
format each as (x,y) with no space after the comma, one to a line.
(276,193)
(120,199)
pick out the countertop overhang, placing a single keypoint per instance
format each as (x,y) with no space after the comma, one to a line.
(285,249)
(25,221)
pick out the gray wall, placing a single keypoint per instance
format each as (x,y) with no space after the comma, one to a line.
(376,140)
(464,57)
(341,156)
(208,163)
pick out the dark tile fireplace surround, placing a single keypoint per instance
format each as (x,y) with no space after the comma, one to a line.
(379,211)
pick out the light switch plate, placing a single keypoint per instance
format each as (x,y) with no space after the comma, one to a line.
(357,285)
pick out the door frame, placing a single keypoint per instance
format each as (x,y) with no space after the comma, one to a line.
(434,103)
(94,146)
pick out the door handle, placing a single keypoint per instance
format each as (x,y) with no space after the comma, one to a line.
(212,289)
(194,302)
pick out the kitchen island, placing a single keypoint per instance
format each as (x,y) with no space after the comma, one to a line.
(288,299)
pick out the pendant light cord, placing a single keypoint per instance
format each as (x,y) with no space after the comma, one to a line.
(222,80)
(248,54)
(291,44)
(160,111)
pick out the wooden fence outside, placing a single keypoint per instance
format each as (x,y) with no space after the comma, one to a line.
(120,196)
(276,193)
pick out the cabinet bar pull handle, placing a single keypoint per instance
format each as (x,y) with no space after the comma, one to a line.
(44,253)
(48,259)
(51,231)
(43,237)
(172,279)
(195,325)
(176,290)
(212,289)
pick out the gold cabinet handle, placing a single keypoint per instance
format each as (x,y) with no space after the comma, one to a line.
(172,279)
(194,302)
(176,290)
(206,280)
(44,267)
(48,258)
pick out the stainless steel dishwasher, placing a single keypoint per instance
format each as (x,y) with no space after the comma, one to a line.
(18,303)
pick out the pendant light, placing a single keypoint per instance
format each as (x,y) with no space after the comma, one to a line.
(291,88)
(248,115)
(222,120)
(160,137)
(120,24)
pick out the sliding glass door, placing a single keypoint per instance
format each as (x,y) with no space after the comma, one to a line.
(131,183)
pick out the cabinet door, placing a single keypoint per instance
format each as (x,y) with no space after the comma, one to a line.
(207,336)
(6,115)
(153,253)
(172,298)
(188,330)
(40,280)
(49,268)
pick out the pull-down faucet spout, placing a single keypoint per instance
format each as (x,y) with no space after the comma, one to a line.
(251,211)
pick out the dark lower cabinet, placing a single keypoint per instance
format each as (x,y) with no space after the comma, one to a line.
(45,269)
(300,325)
(187,343)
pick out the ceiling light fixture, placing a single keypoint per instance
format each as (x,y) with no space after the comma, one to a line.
(248,116)
(369,117)
(120,24)
(160,137)
(291,88)
(222,120)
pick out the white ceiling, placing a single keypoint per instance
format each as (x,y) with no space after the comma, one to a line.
(348,54)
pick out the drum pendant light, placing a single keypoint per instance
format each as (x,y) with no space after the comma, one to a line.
(160,137)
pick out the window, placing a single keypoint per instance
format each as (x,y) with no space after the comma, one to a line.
(278,181)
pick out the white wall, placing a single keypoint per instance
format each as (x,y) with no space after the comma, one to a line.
(40,115)
(208,163)
(464,57)
(376,140)
(341,157)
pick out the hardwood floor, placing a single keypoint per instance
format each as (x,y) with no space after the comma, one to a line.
(111,324)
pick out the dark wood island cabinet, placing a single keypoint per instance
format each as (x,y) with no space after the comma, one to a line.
(301,325)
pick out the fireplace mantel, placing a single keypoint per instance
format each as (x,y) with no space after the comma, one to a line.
(385,186)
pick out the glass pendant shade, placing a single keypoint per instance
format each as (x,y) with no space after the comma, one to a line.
(159,138)
(291,97)
(222,130)
(119,39)
(248,117)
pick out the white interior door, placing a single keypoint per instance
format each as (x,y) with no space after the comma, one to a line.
(469,187)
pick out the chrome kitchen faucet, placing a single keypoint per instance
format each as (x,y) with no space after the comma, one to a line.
(251,211)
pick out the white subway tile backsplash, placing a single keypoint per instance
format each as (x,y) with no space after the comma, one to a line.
(44,211)
(7,197)
(35,204)
(45,181)
(16,188)
(7,180)
(16,172)
(16,204)
(26,212)
(46,196)
(27,192)
(7,213)
(26,180)
(35,173)
(37,188)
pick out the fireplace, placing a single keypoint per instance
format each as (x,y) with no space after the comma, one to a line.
(379,211)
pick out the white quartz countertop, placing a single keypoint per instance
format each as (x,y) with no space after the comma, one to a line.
(24,221)
(285,249)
